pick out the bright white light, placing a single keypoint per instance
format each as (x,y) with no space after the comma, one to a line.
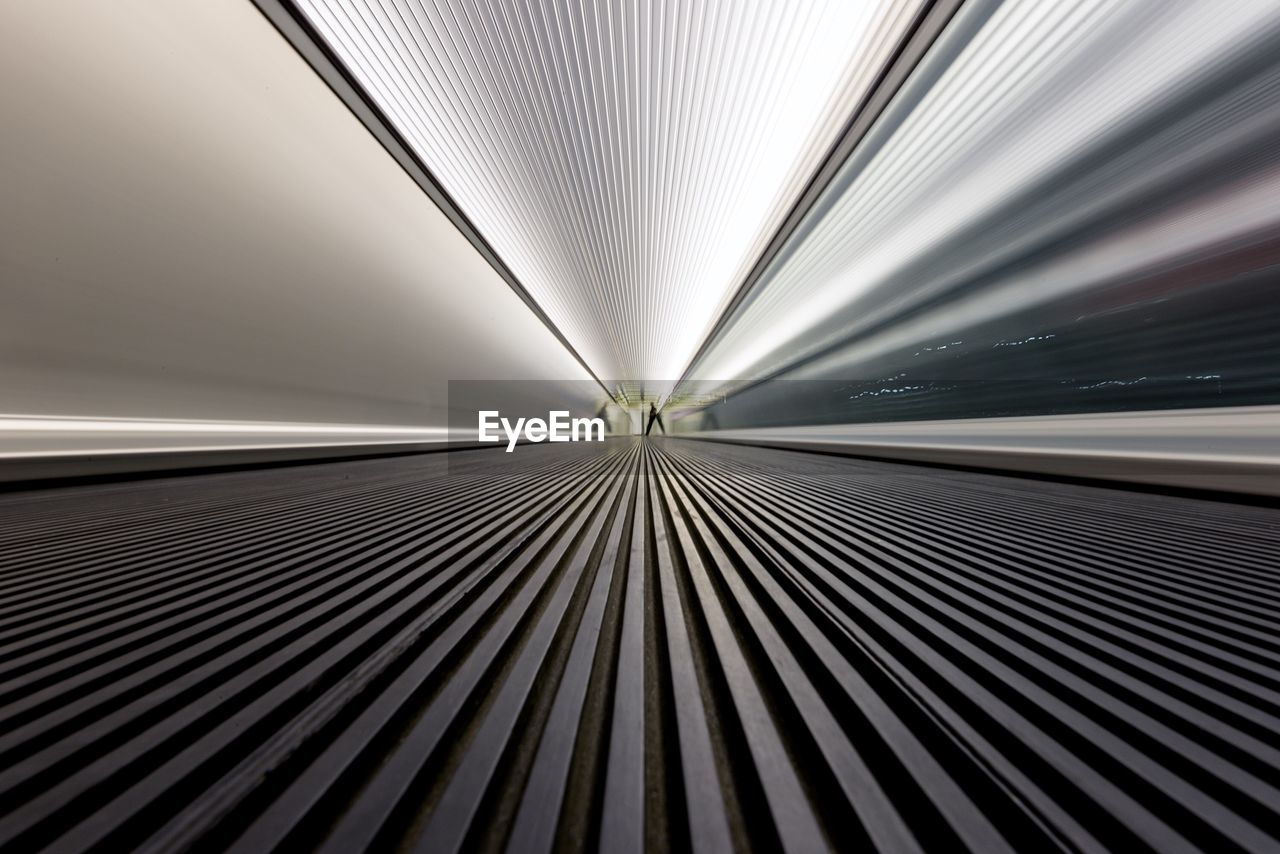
(27,437)
(70,424)
(628,162)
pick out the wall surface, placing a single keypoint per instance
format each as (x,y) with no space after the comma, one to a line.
(194,227)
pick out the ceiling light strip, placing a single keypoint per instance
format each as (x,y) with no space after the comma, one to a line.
(625,162)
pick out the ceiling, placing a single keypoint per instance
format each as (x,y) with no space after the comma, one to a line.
(627,162)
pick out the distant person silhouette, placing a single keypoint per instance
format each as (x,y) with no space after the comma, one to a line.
(654,416)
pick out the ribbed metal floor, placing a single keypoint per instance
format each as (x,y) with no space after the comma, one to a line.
(665,646)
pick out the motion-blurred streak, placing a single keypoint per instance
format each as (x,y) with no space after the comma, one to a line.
(1080,194)
(1223,448)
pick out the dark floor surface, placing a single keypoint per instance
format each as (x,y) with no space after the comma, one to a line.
(665,645)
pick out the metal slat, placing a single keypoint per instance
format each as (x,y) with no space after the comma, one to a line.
(664,644)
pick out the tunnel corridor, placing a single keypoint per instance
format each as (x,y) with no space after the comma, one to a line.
(639,426)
